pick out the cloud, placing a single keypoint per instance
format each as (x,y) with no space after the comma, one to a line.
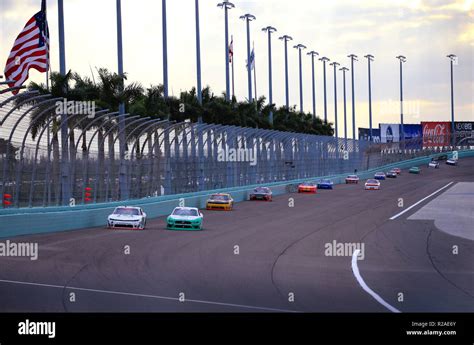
(425,31)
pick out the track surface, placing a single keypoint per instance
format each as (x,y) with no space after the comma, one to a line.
(281,251)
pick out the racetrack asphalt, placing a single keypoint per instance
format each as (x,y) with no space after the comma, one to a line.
(280,266)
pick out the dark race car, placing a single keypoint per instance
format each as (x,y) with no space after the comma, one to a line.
(391,174)
(325,184)
(261,193)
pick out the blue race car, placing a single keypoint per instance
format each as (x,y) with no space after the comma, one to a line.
(325,184)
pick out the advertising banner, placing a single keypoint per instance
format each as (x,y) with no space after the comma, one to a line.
(436,134)
(364,134)
(464,130)
(389,132)
(413,136)
(465,126)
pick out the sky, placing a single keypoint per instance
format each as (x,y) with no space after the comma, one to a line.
(423,31)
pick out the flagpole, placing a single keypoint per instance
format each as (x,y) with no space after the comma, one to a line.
(65,183)
(233,86)
(254,70)
(62,53)
(165,50)
(48,56)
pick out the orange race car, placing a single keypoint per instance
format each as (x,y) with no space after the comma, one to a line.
(307,187)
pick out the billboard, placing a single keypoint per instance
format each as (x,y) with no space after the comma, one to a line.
(364,134)
(464,126)
(464,130)
(413,136)
(412,131)
(436,134)
(389,132)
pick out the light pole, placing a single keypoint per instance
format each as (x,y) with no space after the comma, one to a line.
(324,60)
(65,179)
(353,58)
(452,59)
(335,64)
(226,5)
(300,47)
(344,70)
(198,57)
(269,30)
(123,185)
(248,18)
(313,54)
(285,39)
(370,58)
(165,51)
(402,59)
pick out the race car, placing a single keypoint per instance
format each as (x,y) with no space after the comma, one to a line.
(452,162)
(379,175)
(325,184)
(185,218)
(352,179)
(220,201)
(129,217)
(433,164)
(414,170)
(397,170)
(372,184)
(307,187)
(391,174)
(261,193)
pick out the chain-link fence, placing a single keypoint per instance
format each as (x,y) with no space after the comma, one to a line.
(161,157)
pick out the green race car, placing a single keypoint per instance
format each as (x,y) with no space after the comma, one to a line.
(414,170)
(185,218)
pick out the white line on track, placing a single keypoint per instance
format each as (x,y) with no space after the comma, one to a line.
(147,296)
(417,203)
(355,270)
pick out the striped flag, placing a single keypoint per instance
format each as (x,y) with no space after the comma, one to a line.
(30,50)
(231,50)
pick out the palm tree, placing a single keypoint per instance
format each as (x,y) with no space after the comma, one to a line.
(111,94)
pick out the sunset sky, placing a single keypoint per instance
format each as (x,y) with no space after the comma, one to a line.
(424,31)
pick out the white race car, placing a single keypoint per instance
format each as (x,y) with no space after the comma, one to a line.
(372,184)
(452,162)
(352,179)
(128,217)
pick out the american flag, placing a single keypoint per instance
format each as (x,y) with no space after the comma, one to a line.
(30,50)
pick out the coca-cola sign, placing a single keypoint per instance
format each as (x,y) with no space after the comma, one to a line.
(436,133)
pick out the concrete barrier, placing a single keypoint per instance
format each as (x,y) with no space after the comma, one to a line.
(25,221)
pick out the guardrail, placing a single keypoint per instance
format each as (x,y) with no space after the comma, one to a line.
(16,222)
